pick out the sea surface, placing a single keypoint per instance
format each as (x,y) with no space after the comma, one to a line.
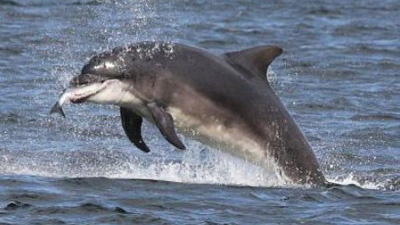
(338,76)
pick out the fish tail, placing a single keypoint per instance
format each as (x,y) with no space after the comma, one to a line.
(57,109)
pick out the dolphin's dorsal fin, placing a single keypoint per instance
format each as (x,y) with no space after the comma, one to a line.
(255,60)
(132,125)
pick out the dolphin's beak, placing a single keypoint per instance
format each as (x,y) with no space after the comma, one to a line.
(84,79)
(80,91)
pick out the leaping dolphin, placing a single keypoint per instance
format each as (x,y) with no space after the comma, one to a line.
(223,100)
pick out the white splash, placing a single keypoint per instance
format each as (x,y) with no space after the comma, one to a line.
(195,165)
(351,179)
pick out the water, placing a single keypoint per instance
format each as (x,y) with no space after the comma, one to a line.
(338,77)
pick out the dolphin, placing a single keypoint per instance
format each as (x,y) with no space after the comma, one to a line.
(224,101)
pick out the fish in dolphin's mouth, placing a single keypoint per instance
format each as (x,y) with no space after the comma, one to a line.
(78,94)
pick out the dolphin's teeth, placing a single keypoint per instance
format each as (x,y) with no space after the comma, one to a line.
(57,109)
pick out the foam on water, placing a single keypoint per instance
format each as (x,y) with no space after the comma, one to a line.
(351,179)
(196,165)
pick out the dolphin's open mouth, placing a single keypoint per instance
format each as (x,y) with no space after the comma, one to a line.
(84,91)
(77,100)
(75,95)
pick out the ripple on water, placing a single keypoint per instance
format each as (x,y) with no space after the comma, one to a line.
(376,117)
(9,2)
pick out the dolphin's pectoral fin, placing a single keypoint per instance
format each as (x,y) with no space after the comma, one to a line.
(255,60)
(165,124)
(132,124)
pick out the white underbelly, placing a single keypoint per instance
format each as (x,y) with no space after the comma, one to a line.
(231,140)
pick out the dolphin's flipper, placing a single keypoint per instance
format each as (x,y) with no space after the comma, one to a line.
(132,124)
(255,60)
(165,124)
